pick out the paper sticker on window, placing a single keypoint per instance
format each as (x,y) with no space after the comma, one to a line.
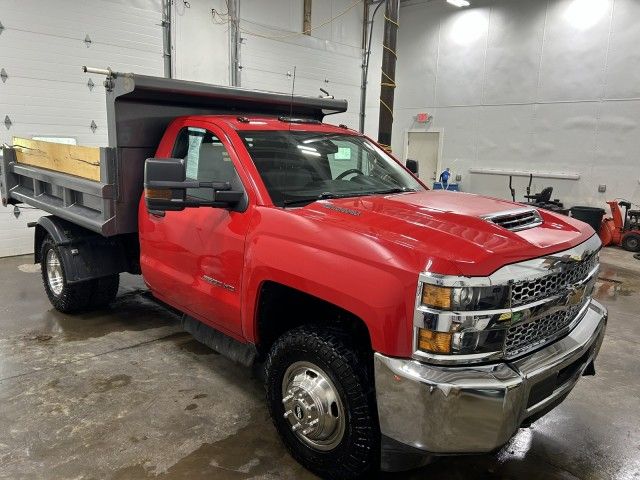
(343,153)
(193,155)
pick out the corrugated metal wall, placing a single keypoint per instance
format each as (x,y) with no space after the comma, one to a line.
(330,58)
(529,86)
(42,49)
(318,63)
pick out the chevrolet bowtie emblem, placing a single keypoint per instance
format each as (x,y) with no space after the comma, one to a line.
(553,262)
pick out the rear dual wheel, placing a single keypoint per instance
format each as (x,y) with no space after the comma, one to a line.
(71,298)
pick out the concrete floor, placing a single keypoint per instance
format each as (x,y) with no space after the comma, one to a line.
(124,394)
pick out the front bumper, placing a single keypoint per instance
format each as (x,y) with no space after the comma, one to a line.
(429,409)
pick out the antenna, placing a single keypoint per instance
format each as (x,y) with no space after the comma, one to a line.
(293,88)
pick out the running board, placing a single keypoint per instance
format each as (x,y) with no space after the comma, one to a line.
(242,353)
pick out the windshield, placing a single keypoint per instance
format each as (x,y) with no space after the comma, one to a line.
(301,167)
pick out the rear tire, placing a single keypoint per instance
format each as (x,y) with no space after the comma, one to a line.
(631,242)
(313,375)
(64,297)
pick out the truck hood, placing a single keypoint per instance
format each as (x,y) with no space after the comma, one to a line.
(448,226)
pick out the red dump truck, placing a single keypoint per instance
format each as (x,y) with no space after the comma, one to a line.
(394,323)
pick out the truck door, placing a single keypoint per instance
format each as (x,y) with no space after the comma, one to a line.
(193,259)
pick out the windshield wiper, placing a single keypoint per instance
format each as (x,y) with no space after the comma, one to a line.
(393,190)
(322,196)
(326,195)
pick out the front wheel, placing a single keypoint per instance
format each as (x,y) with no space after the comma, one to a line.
(631,242)
(321,404)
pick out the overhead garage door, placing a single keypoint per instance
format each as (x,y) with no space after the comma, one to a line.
(43,45)
(318,63)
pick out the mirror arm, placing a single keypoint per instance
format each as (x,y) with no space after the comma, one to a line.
(222,186)
(202,203)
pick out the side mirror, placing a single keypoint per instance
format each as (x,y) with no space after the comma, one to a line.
(412,166)
(165,187)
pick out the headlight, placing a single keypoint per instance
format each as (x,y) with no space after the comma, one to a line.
(465,336)
(463,320)
(465,298)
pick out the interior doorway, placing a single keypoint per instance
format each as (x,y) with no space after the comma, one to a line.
(425,148)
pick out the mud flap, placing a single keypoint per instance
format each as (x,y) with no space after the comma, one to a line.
(590,370)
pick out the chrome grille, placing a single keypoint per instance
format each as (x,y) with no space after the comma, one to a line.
(527,336)
(554,284)
(516,220)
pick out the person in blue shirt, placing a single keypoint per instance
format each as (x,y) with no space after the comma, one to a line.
(444,178)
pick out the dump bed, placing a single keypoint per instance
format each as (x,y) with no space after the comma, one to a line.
(99,188)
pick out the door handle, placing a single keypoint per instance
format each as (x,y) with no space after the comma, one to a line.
(157,213)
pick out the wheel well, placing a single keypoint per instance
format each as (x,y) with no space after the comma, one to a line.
(281,308)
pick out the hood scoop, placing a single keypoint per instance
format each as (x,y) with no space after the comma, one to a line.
(515,220)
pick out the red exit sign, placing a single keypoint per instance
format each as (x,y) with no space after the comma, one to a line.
(423,117)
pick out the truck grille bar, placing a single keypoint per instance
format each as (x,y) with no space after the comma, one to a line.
(571,290)
(538,289)
(524,337)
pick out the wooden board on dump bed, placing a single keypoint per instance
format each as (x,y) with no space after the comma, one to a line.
(72,159)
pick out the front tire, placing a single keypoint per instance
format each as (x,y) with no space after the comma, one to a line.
(322,405)
(631,242)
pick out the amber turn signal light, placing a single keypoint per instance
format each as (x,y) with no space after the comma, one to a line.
(434,342)
(158,193)
(436,296)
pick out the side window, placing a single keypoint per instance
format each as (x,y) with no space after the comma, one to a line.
(207,160)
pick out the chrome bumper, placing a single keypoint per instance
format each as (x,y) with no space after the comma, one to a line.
(444,410)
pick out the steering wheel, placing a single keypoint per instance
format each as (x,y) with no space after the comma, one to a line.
(349,172)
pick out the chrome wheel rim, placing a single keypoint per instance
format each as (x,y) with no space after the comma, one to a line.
(312,406)
(54,273)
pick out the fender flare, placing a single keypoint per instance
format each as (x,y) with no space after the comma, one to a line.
(86,255)
(49,225)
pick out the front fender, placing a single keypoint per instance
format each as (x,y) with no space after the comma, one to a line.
(382,298)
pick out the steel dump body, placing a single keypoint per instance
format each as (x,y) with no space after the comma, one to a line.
(139,108)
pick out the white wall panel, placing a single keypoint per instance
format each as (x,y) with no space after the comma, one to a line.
(623,60)
(505,135)
(279,16)
(272,44)
(42,49)
(564,134)
(345,29)
(200,43)
(513,52)
(460,127)
(372,101)
(417,40)
(547,86)
(318,64)
(617,145)
(575,49)
(461,59)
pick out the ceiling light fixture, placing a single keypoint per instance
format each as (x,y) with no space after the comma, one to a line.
(459,3)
